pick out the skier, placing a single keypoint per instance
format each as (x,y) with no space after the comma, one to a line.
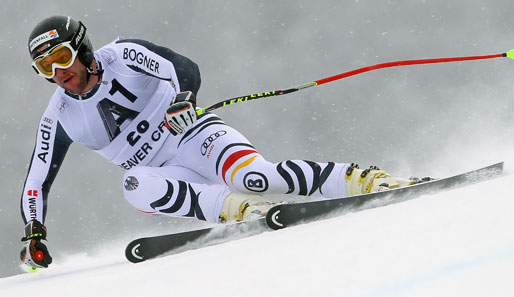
(134,102)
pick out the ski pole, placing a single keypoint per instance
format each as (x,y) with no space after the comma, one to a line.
(509,54)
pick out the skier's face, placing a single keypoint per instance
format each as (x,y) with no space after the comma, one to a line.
(72,79)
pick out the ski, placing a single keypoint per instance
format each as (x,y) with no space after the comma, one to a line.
(142,249)
(285,215)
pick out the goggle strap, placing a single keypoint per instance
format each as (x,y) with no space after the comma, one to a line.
(78,37)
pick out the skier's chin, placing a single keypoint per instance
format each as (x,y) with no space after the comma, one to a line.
(74,86)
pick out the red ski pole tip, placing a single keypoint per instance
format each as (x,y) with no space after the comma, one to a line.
(39,256)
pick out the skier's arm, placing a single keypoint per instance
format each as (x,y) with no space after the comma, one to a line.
(51,146)
(157,61)
(161,62)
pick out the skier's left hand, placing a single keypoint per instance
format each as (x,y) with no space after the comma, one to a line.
(34,252)
(181,113)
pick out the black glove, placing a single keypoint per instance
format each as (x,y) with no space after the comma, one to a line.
(181,113)
(34,252)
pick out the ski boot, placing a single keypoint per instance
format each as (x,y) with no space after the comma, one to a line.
(239,207)
(373,179)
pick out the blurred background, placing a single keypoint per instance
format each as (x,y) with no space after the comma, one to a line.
(423,120)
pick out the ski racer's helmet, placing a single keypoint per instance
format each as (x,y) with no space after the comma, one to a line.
(55,42)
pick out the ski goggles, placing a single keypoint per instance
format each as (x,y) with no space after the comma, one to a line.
(60,56)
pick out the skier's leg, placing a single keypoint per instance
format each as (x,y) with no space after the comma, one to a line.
(167,190)
(307,178)
(224,156)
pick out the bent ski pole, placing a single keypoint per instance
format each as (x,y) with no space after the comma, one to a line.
(509,54)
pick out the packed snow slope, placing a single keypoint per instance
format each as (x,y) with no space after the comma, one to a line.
(455,243)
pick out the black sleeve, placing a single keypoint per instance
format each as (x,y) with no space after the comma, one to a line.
(188,73)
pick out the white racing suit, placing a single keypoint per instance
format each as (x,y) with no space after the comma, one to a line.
(186,175)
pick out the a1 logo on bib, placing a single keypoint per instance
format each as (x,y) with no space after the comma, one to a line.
(255,182)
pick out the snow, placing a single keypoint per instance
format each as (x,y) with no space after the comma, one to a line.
(454,243)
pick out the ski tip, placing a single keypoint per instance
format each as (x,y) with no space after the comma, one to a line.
(273,218)
(510,54)
(133,253)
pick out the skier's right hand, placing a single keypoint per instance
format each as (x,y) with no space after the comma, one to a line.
(34,252)
(181,113)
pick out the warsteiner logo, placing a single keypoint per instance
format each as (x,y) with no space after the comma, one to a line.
(255,182)
(40,39)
